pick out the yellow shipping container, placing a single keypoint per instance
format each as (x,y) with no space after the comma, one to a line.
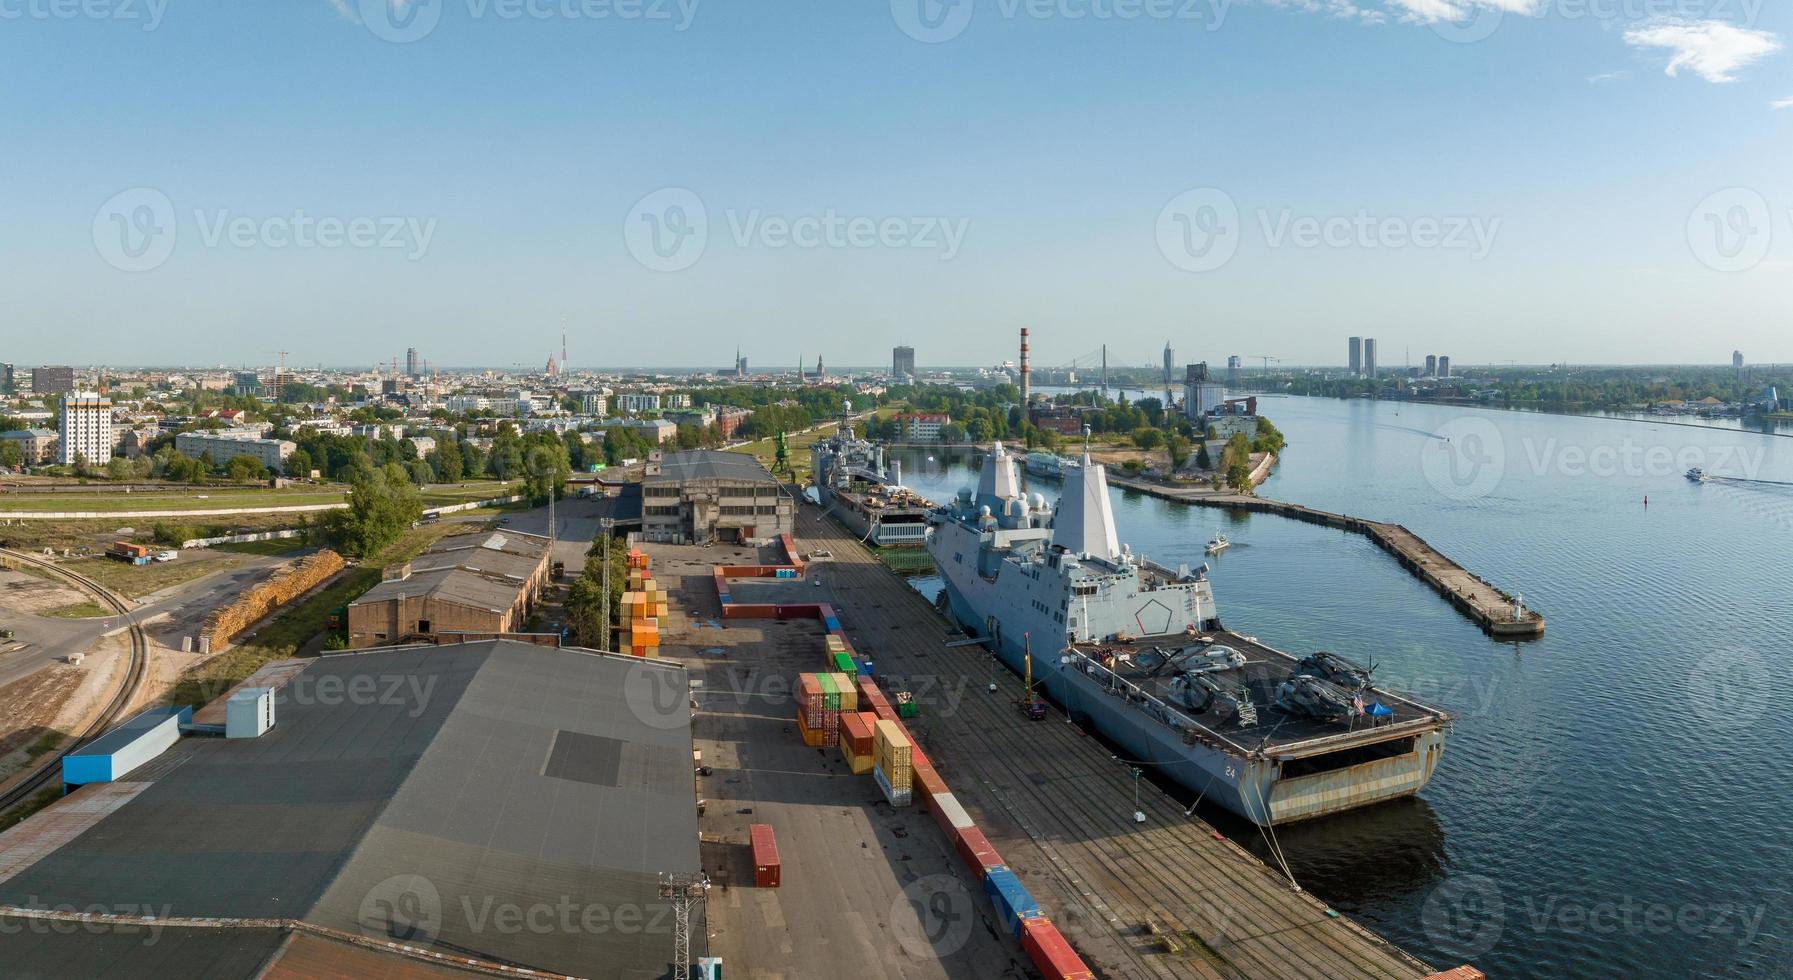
(849,694)
(859,764)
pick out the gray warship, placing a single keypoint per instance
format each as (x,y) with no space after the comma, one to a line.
(1136,652)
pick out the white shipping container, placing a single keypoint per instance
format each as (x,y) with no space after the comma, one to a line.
(249,713)
(955,814)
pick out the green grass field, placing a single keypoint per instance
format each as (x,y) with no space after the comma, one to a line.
(128,502)
(81,610)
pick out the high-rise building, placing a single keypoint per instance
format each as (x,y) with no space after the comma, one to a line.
(1234,367)
(1737,361)
(411,370)
(1369,357)
(1170,364)
(1431,366)
(1354,355)
(86,423)
(1444,365)
(6,382)
(52,380)
(902,362)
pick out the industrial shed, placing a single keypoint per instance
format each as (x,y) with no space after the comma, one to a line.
(404,795)
(470,583)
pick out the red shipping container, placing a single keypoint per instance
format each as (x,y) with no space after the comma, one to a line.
(975,849)
(765,855)
(857,730)
(868,691)
(1050,953)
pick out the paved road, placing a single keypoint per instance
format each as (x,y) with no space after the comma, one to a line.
(49,639)
(576,525)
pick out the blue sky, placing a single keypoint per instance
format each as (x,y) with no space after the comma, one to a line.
(1531,180)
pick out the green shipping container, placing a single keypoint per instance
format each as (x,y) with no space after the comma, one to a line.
(830,692)
(843,662)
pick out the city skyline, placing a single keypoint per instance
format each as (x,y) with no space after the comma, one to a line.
(1261,172)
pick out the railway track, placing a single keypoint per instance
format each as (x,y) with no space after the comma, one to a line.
(115,710)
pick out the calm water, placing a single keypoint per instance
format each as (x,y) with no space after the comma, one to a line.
(1617,799)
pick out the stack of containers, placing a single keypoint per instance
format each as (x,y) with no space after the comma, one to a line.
(856,740)
(892,756)
(818,709)
(641,629)
(810,705)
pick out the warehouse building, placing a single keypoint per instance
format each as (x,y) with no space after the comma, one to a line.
(486,582)
(409,805)
(704,496)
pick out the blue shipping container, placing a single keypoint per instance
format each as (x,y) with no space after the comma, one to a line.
(1010,897)
(131,744)
(831,623)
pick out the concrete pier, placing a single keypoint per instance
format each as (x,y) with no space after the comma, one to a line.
(1496,612)
(1167,897)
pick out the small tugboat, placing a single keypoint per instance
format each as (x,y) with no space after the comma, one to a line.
(1219,544)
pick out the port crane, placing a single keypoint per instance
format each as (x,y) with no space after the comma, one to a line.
(1029,703)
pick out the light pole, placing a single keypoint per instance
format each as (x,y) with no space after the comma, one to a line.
(1139,816)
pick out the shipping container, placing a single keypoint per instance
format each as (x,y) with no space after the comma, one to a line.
(1015,905)
(843,662)
(849,695)
(1051,954)
(856,729)
(133,743)
(858,763)
(1012,901)
(765,855)
(893,795)
(976,851)
(811,736)
(949,814)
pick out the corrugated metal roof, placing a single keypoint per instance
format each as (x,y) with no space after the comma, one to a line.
(710,464)
(454,585)
(403,792)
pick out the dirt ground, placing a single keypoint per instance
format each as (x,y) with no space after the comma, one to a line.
(22,592)
(60,699)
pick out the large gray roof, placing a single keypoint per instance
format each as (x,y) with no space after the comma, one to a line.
(710,464)
(422,793)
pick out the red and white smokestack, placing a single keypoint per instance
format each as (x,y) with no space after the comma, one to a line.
(1023,374)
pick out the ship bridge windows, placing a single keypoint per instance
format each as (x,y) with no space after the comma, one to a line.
(1084,589)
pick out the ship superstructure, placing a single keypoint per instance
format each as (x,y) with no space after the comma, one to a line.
(858,486)
(1137,652)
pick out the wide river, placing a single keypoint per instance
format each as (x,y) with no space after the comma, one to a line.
(1617,797)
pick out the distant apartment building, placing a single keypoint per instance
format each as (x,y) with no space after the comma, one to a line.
(1444,365)
(222,446)
(425,445)
(411,368)
(1354,356)
(658,430)
(594,403)
(902,362)
(52,380)
(728,421)
(1369,357)
(467,403)
(36,446)
(637,401)
(1431,366)
(7,385)
(678,400)
(922,426)
(86,424)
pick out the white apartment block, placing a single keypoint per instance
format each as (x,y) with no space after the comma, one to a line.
(223,445)
(923,426)
(638,401)
(87,433)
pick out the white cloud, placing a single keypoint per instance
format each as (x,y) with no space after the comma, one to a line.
(343,10)
(1779,104)
(1609,76)
(1433,11)
(1713,49)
